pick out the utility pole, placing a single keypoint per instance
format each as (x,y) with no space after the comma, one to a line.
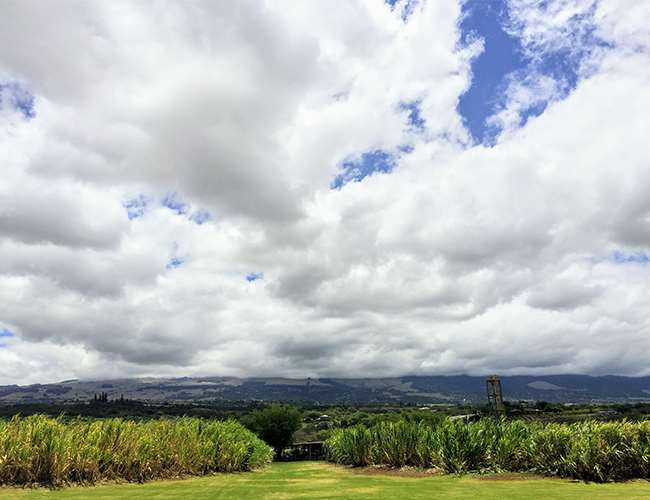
(495,396)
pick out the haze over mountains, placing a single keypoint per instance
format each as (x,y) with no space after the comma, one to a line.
(414,389)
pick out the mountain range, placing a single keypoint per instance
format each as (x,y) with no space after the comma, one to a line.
(408,389)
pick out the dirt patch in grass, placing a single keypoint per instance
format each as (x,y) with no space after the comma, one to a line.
(510,476)
(382,470)
(314,481)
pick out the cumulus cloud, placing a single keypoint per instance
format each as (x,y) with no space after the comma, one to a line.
(460,258)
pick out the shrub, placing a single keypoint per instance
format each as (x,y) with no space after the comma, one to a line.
(42,450)
(350,446)
(276,425)
(592,451)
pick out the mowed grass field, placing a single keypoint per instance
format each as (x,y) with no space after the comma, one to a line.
(320,480)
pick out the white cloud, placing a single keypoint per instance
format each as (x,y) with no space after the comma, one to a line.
(464,259)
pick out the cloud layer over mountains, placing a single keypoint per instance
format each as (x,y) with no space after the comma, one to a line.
(169,202)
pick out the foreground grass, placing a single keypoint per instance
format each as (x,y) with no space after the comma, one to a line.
(307,480)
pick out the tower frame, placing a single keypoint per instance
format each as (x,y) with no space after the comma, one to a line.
(495,396)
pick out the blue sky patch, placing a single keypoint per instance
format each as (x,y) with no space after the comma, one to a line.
(14,96)
(175,262)
(173,202)
(415,120)
(250,277)
(582,40)
(200,216)
(406,148)
(505,62)
(357,169)
(406,7)
(4,333)
(136,207)
(620,257)
(502,55)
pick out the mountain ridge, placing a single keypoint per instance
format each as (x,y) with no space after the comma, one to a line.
(332,390)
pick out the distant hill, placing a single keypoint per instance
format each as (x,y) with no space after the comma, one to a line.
(415,389)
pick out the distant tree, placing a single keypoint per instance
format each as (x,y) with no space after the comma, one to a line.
(275,424)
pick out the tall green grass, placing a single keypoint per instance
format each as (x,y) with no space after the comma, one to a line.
(593,451)
(42,450)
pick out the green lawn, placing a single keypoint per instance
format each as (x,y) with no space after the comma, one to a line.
(305,480)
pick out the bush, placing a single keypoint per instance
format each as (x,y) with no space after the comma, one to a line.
(350,446)
(276,425)
(592,451)
(43,450)
(396,443)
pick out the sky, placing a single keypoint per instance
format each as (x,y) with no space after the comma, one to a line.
(352,188)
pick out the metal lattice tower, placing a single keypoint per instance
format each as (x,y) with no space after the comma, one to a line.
(495,396)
